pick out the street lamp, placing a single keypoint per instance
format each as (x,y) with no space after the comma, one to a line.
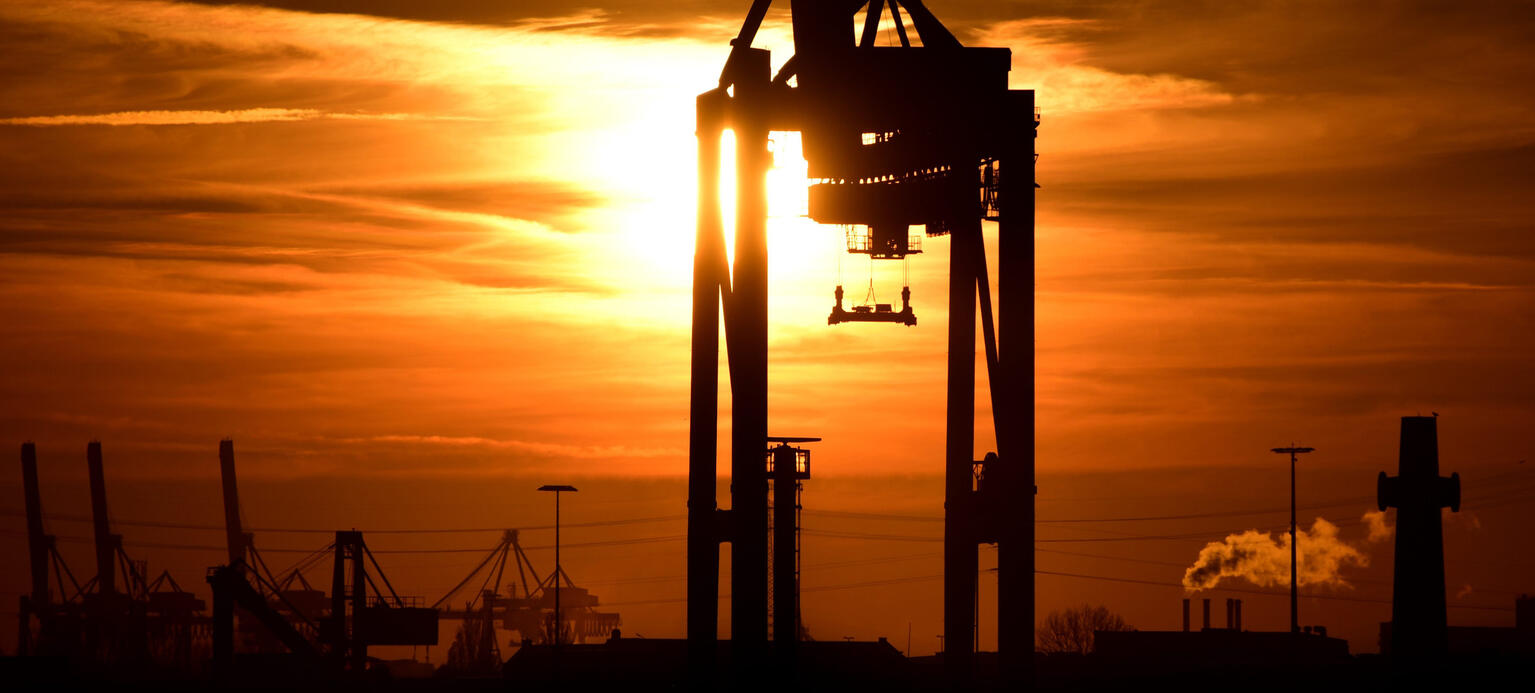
(559,624)
(1292,451)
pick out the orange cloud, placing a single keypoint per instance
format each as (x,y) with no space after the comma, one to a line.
(191,117)
(1066,83)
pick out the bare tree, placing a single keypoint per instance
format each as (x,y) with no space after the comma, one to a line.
(1071,630)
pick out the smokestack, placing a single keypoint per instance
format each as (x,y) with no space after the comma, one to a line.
(1231,614)
(1239,614)
(785,558)
(1185,615)
(1207,615)
(1418,630)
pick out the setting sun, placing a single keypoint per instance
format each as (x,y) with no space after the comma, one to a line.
(418,260)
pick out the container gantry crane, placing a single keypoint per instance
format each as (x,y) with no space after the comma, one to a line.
(364,609)
(118,617)
(894,137)
(528,612)
(115,610)
(48,623)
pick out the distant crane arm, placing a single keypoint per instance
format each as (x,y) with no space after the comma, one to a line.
(934,34)
(743,40)
(752,24)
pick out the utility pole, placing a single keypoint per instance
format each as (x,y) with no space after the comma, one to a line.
(1294,571)
(559,625)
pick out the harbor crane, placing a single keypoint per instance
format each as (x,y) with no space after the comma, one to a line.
(894,138)
(119,616)
(525,606)
(363,609)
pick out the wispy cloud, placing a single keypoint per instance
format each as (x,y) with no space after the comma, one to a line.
(192,117)
(406,225)
(535,447)
(1066,83)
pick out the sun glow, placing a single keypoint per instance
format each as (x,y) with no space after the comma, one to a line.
(659,227)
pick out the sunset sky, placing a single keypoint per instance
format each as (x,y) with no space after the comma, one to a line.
(416,258)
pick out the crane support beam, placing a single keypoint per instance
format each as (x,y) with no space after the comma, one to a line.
(746,339)
(230,589)
(37,538)
(703,551)
(960,515)
(237,540)
(106,544)
(1015,433)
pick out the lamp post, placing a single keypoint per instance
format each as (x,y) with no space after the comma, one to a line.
(559,624)
(1292,451)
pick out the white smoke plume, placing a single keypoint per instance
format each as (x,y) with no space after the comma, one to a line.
(1263,560)
(1466,519)
(1379,530)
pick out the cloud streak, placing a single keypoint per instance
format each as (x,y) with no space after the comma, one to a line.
(368,218)
(535,447)
(194,117)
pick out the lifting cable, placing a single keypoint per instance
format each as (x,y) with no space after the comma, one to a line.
(869,298)
(841,249)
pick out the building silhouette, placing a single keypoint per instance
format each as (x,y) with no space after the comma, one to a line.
(1418,625)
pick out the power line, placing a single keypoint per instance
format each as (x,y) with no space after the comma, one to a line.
(563,545)
(476,549)
(815,588)
(1499,497)
(1173,564)
(1336,502)
(1080,576)
(1286,595)
(808,566)
(59,517)
(1494,499)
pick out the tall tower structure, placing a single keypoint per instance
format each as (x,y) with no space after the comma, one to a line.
(1292,451)
(107,543)
(39,544)
(787,467)
(895,138)
(1418,629)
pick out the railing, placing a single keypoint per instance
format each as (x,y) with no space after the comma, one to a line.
(991,190)
(859,239)
(409,602)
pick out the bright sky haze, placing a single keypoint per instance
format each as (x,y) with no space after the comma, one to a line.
(448,246)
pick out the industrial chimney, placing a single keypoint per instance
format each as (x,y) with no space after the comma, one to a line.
(1418,629)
